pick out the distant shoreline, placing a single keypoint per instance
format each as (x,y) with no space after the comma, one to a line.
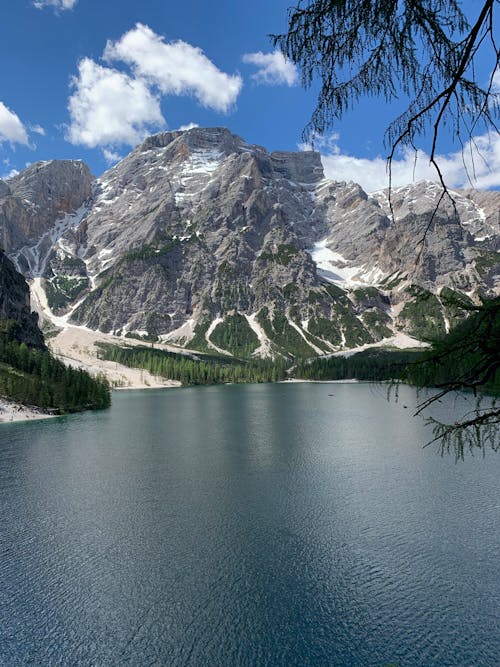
(301,380)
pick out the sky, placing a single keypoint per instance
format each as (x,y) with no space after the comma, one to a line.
(89,79)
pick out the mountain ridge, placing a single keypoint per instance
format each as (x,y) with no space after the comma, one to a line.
(199,238)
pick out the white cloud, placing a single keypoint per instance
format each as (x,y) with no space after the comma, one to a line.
(9,174)
(11,127)
(496,81)
(111,157)
(59,5)
(188,126)
(177,68)
(477,166)
(109,108)
(38,129)
(274,68)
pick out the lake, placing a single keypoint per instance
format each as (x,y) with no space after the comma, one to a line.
(288,524)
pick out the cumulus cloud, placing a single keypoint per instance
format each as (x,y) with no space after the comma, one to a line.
(274,68)
(11,127)
(188,126)
(477,166)
(59,5)
(109,107)
(177,68)
(111,157)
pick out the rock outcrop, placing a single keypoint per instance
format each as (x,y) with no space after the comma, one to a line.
(34,206)
(15,313)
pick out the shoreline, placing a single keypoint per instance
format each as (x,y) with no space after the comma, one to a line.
(12,412)
(75,346)
(303,380)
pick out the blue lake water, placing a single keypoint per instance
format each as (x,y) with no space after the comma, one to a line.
(252,525)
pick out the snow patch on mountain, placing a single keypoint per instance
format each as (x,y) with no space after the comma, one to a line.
(400,341)
(265,347)
(37,255)
(334,268)
(182,334)
(40,304)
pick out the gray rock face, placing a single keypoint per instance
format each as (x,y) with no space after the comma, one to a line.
(194,225)
(15,305)
(195,228)
(438,245)
(355,223)
(4,189)
(33,201)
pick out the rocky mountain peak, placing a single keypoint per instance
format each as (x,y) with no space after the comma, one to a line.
(40,204)
(55,186)
(196,138)
(218,143)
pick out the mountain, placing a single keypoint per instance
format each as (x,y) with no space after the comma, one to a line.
(16,318)
(33,383)
(203,240)
(34,204)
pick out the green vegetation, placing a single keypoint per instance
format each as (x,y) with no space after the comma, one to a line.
(65,280)
(467,358)
(67,265)
(289,290)
(326,329)
(199,342)
(428,50)
(423,315)
(366,293)
(283,335)
(283,255)
(231,287)
(235,335)
(376,322)
(343,319)
(34,377)
(485,262)
(150,251)
(373,365)
(379,49)
(62,290)
(354,331)
(80,313)
(455,305)
(335,292)
(393,280)
(204,369)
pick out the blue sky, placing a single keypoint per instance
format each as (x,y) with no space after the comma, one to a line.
(89,78)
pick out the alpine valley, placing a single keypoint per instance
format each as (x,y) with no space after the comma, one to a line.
(203,241)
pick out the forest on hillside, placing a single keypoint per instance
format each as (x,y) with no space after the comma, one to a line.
(465,358)
(34,377)
(204,369)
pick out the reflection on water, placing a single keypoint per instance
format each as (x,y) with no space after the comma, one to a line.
(246,525)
